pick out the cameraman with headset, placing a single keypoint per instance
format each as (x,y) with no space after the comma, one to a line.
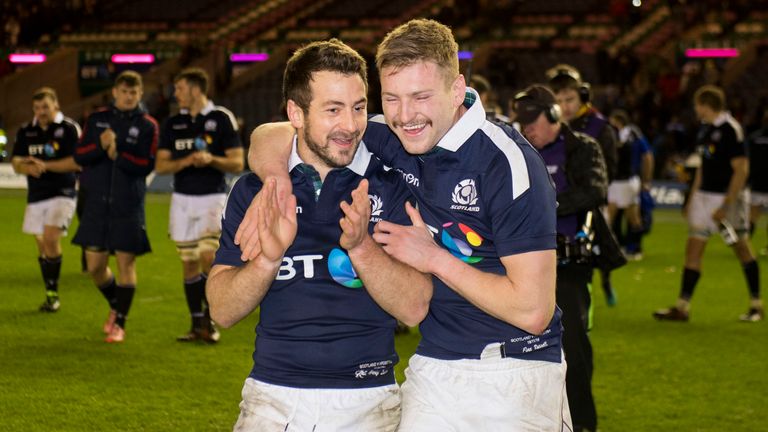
(574,97)
(576,164)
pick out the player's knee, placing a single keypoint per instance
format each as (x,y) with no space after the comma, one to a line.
(188,250)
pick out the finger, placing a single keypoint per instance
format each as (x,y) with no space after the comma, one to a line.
(284,188)
(290,209)
(244,229)
(384,227)
(414,214)
(381,238)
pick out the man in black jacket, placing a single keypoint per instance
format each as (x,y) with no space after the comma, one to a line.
(574,95)
(576,164)
(117,153)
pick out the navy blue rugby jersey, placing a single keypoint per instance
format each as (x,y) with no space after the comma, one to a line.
(56,142)
(485,193)
(718,143)
(318,326)
(214,130)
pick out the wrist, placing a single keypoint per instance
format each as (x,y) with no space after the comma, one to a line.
(363,248)
(264,263)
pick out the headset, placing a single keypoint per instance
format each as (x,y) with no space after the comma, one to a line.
(584,89)
(552,112)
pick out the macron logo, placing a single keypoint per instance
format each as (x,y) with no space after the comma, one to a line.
(408,177)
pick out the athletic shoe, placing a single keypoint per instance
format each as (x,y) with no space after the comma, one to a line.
(109,324)
(209,335)
(671,314)
(636,256)
(753,315)
(116,335)
(51,304)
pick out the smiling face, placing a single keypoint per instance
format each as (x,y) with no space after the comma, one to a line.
(331,128)
(420,104)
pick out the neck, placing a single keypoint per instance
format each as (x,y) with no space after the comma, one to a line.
(197,106)
(310,158)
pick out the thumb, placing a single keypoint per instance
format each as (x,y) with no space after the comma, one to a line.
(414,214)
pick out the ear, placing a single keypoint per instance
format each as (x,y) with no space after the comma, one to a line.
(459,89)
(295,114)
(114,92)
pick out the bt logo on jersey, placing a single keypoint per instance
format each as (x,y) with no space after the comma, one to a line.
(339,266)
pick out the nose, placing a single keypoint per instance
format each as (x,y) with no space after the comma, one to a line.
(405,112)
(349,121)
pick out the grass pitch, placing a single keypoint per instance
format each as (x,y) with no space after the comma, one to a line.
(56,373)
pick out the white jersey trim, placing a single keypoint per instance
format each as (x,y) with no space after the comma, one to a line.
(514,154)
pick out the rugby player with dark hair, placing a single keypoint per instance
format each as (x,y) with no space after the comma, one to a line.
(117,152)
(43,152)
(198,146)
(328,294)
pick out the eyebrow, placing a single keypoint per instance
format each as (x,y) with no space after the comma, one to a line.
(415,93)
(334,102)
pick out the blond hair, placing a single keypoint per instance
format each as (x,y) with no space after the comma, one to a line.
(420,40)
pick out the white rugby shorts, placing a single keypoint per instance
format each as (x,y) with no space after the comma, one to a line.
(703,204)
(758,199)
(195,216)
(490,394)
(623,193)
(56,211)
(268,407)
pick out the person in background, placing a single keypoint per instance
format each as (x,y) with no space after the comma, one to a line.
(576,164)
(117,153)
(719,202)
(44,152)
(633,174)
(574,96)
(198,146)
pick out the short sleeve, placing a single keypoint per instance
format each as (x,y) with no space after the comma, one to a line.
(238,200)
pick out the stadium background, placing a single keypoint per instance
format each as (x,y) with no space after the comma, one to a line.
(708,375)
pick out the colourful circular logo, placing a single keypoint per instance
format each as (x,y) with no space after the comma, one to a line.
(340,268)
(201,143)
(459,247)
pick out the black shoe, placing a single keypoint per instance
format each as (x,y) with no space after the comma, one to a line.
(754,314)
(671,314)
(51,303)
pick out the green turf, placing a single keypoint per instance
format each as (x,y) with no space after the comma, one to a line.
(56,374)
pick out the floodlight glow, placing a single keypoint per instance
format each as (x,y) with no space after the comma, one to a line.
(711,52)
(133,58)
(465,55)
(26,58)
(248,57)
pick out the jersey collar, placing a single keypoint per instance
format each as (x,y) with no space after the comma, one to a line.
(721,118)
(468,124)
(359,164)
(57,119)
(206,109)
